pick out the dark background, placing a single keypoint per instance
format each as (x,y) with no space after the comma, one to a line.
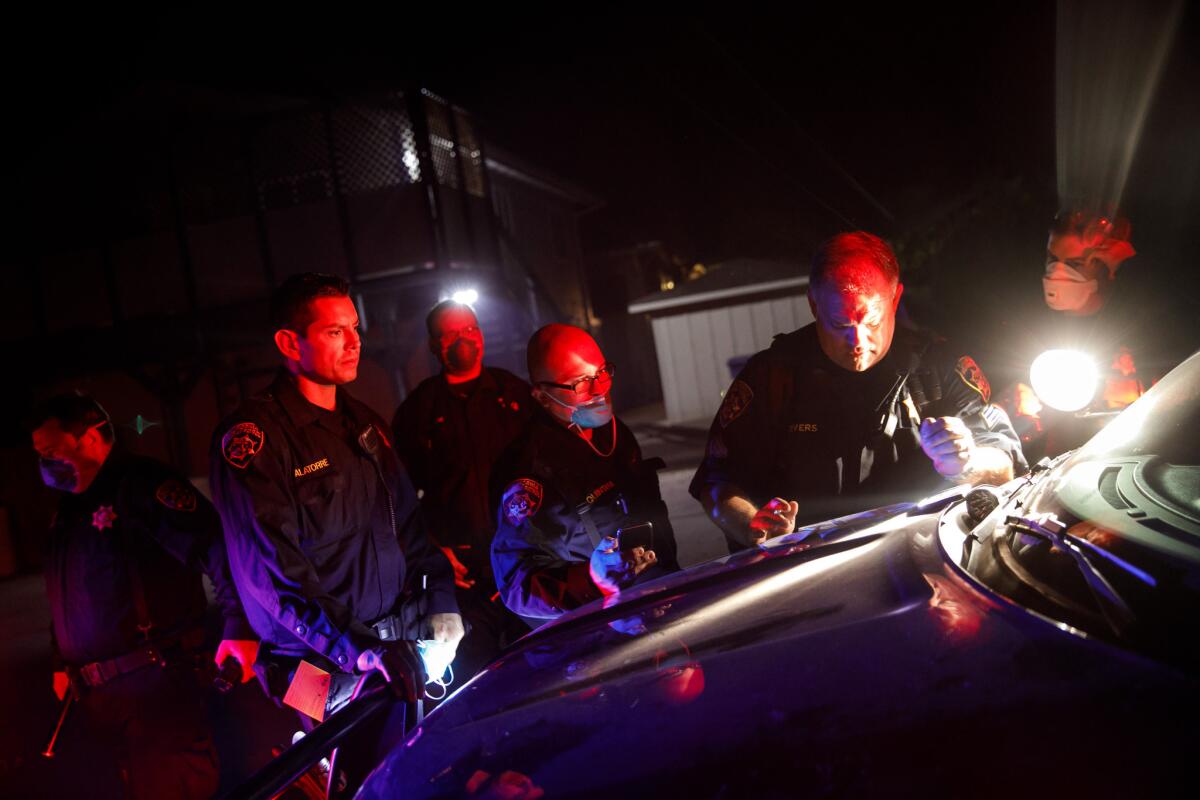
(724,132)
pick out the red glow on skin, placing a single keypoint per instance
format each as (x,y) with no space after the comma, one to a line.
(856,316)
(450,326)
(567,354)
(326,355)
(1096,257)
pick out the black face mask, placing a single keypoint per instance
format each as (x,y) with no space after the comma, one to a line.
(462,355)
(59,474)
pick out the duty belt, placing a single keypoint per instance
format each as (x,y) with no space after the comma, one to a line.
(99,673)
(388,628)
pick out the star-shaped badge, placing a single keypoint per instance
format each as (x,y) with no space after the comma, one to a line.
(103,517)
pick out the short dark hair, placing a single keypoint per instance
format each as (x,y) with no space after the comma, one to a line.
(441,308)
(851,248)
(75,412)
(290,303)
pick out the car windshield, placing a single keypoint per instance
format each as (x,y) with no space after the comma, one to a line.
(1108,540)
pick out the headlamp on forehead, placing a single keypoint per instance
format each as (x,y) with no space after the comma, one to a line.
(466,297)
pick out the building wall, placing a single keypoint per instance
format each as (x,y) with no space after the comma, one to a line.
(541,241)
(695,347)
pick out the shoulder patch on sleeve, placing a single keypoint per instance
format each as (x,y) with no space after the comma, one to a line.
(973,376)
(737,399)
(176,495)
(241,443)
(521,500)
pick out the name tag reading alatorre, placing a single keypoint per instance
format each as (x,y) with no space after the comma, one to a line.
(316,466)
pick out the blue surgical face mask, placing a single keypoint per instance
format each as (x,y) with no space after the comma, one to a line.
(59,474)
(591,414)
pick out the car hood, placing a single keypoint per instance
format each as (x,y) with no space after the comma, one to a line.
(779,658)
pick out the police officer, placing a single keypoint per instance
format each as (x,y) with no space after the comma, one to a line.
(127,546)
(325,539)
(574,478)
(848,413)
(1132,336)
(449,433)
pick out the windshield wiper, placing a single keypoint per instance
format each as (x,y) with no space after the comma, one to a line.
(1116,611)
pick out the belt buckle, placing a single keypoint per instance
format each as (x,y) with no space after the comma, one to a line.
(91,674)
(386,628)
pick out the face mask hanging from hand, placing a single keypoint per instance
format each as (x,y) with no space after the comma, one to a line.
(58,474)
(1065,288)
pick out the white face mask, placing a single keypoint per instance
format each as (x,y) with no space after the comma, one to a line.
(437,657)
(1065,288)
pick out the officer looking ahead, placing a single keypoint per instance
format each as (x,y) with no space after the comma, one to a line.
(449,433)
(129,540)
(571,481)
(325,539)
(848,412)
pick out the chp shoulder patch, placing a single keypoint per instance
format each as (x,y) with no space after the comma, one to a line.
(521,500)
(737,399)
(176,495)
(241,443)
(973,376)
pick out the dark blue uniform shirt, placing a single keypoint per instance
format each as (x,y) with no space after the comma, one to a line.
(797,426)
(449,437)
(556,497)
(324,537)
(136,515)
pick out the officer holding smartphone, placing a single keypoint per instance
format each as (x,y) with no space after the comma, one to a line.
(573,479)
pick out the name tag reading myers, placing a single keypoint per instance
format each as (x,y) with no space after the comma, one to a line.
(308,691)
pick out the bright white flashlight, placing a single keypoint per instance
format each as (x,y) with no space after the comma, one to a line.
(466,297)
(1064,379)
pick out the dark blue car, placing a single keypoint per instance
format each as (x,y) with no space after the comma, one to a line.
(1036,640)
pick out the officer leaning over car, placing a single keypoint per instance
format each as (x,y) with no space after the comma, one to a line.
(325,539)
(849,412)
(570,482)
(129,540)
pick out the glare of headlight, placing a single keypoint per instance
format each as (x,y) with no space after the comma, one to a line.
(466,297)
(1064,379)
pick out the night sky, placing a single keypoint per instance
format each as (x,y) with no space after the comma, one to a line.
(724,131)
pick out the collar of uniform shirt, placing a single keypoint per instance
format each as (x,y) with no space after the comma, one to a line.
(298,409)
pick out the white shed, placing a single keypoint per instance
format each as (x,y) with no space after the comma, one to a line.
(730,313)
